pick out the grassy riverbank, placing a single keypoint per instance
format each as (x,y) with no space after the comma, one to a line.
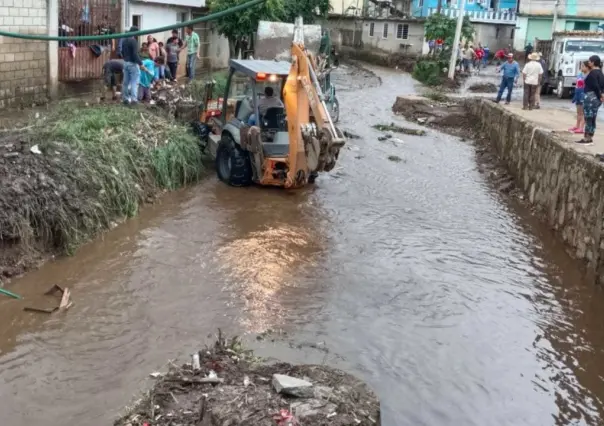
(73,172)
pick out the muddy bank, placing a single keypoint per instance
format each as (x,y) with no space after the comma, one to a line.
(76,171)
(444,114)
(483,88)
(562,186)
(228,385)
(403,62)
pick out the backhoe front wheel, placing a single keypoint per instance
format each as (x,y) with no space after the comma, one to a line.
(233,164)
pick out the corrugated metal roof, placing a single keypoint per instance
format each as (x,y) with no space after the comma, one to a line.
(252,67)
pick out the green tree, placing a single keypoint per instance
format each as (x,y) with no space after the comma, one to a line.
(310,10)
(439,26)
(243,24)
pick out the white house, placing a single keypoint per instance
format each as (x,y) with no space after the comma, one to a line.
(146,14)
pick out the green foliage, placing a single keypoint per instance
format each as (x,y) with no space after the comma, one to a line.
(439,26)
(197,88)
(428,72)
(305,8)
(102,163)
(245,23)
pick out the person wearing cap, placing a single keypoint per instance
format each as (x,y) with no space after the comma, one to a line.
(532,74)
(511,71)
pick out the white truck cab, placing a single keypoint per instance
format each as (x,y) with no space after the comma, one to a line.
(564,55)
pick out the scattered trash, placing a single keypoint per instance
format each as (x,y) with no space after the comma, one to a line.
(395,158)
(64,304)
(285,418)
(244,390)
(9,293)
(156,374)
(196,363)
(398,129)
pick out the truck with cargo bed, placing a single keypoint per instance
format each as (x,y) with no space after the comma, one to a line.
(563,55)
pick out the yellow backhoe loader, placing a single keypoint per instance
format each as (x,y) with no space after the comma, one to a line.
(286,143)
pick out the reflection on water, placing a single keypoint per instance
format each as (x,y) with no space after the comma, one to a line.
(259,265)
(455,306)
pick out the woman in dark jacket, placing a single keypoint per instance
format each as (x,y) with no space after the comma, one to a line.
(594,95)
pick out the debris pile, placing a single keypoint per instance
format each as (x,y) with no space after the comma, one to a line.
(398,129)
(71,173)
(449,116)
(179,101)
(483,88)
(228,385)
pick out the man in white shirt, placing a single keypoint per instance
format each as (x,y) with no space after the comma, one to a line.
(532,74)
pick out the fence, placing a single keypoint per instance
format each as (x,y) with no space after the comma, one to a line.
(84,60)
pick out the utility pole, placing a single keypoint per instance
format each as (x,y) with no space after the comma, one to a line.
(439,6)
(455,47)
(555,20)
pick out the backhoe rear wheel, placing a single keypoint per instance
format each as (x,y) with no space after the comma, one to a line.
(233,164)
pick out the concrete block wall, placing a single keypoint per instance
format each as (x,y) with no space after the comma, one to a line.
(23,63)
(563,184)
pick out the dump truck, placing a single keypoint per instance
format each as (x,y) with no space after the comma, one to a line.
(285,145)
(563,55)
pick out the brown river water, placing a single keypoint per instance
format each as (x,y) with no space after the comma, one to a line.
(451,301)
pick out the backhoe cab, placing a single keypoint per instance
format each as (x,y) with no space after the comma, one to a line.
(285,145)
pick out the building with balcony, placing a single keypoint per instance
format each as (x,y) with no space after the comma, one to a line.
(494,20)
(536,17)
(484,11)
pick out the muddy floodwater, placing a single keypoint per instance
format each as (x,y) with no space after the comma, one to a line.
(455,305)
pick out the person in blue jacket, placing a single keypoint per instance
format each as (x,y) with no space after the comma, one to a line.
(147,76)
(511,71)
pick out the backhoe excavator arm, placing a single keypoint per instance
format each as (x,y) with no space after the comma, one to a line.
(309,142)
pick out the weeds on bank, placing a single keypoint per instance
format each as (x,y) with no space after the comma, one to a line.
(436,96)
(197,88)
(98,164)
(428,72)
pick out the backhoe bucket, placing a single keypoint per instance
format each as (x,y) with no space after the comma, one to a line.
(274,40)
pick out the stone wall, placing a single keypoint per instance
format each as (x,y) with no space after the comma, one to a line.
(23,63)
(565,186)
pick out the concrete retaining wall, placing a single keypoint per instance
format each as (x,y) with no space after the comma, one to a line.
(566,186)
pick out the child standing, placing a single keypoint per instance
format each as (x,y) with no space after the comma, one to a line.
(162,62)
(172,51)
(147,76)
(578,99)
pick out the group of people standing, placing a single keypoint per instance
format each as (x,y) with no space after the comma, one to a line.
(152,62)
(588,96)
(534,75)
(469,56)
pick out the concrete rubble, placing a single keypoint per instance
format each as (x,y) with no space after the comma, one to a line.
(292,386)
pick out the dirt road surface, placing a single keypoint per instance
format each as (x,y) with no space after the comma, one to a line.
(449,300)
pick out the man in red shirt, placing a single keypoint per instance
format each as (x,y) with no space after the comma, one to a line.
(499,55)
(479,55)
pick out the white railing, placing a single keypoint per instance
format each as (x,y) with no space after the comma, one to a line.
(486,16)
